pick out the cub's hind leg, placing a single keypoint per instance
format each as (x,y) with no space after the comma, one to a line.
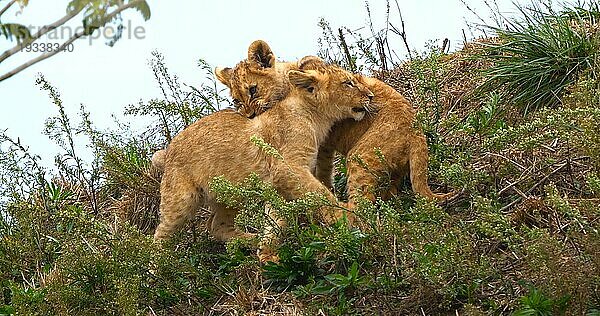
(222,224)
(363,170)
(179,199)
(222,227)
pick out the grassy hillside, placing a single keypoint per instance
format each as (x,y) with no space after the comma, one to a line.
(512,123)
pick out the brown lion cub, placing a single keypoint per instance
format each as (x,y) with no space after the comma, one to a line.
(221,144)
(388,133)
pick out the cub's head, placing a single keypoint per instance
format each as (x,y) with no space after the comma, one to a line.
(336,93)
(259,82)
(253,89)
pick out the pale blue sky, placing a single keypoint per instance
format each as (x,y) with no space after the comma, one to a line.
(106,79)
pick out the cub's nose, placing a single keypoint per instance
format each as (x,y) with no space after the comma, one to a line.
(371,96)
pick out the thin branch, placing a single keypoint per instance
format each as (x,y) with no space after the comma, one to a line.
(542,181)
(505,158)
(121,8)
(510,185)
(351,63)
(7,6)
(445,46)
(41,57)
(381,50)
(370,18)
(41,32)
(387,28)
(482,20)
(403,32)
(46,29)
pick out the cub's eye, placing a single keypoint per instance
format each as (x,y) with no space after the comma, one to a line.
(252,90)
(349,83)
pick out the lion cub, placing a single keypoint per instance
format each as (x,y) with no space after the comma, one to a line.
(221,144)
(389,132)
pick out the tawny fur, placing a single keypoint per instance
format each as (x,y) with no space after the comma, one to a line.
(158,160)
(389,130)
(390,133)
(220,145)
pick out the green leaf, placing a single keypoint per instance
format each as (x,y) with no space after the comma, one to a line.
(19,31)
(7,310)
(353,273)
(593,312)
(144,10)
(77,5)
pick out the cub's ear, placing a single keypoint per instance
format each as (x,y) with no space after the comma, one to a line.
(261,54)
(311,62)
(224,75)
(303,80)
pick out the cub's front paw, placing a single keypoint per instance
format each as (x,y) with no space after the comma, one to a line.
(266,255)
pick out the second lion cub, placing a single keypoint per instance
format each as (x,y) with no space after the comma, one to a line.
(388,133)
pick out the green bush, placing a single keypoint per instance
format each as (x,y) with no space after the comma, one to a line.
(541,53)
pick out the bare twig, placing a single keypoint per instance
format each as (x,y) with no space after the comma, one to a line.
(387,28)
(402,33)
(344,45)
(535,186)
(542,181)
(166,129)
(41,57)
(39,34)
(445,45)
(482,20)
(519,192)
(7,6)
(62,47)
(370,18)
(494,11)
(505,158)
(510,185)
(380,37)
(567,163)
(381,50)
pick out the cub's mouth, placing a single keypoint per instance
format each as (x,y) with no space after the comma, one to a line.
(358,113)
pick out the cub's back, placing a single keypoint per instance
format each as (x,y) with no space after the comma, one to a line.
(212,139)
